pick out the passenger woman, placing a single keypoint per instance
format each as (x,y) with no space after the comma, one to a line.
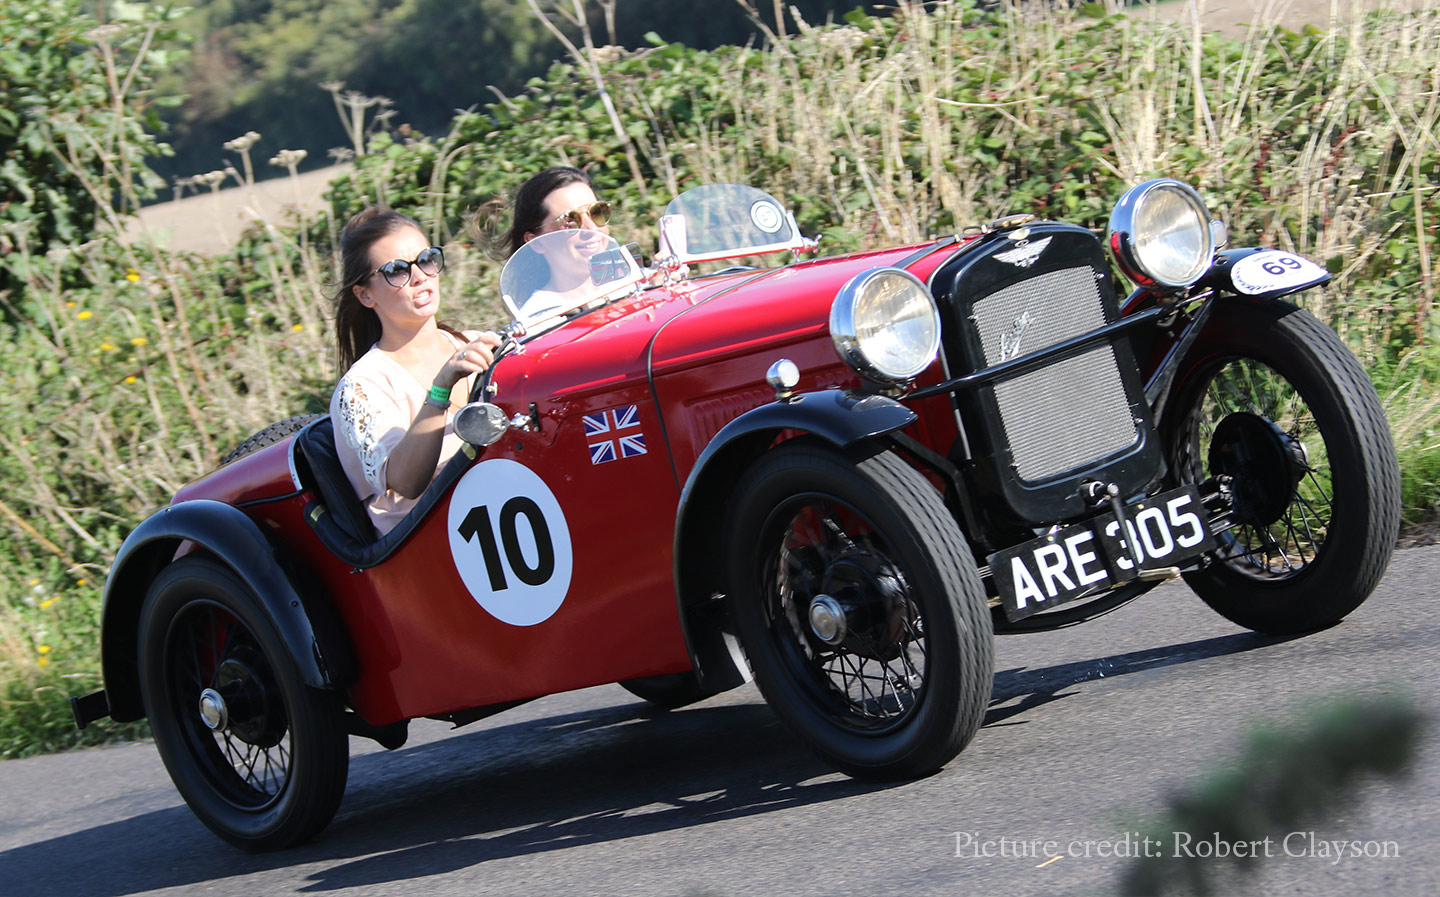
(556,198)
(557,274)
(405,372)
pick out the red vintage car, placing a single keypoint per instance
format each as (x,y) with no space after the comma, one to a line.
(844,475)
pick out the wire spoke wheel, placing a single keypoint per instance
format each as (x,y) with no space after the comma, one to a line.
(1271,406)
(874,675)
(1281,481)
(858,605)
(250,759)
(260,757)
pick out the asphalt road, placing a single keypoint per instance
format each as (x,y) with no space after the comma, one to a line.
(590,793)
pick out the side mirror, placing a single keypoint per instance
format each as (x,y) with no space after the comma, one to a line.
(480,423)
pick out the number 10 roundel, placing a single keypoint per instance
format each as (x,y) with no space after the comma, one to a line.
(510,542)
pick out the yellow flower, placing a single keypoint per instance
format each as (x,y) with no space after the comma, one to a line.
(130,379)
(35,582)
(139,341)
(43,649)
(84,316)
(79,582)
(44,661)
(69,304)
(106,347)
(132,275)
(298,327)
(49,602)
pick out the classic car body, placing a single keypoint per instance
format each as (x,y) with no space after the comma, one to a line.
(1052,435)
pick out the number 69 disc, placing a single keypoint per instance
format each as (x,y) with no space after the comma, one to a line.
(510,542)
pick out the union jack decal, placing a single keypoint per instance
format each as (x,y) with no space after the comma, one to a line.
(615,433)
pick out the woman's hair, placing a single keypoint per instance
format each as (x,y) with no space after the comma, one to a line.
(357,327)
(530,203)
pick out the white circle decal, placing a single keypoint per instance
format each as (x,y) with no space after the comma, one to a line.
(766,216)
(510,542)
(1274,269)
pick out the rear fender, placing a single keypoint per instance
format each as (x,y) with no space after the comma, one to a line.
(831,415)
(318,647)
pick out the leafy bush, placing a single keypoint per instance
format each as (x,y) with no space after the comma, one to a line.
(61,73)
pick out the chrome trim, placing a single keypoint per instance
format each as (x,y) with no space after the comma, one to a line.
(843,329)
(1120,234)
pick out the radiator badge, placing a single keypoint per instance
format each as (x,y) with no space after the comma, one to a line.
(1024,255)
(1010,339)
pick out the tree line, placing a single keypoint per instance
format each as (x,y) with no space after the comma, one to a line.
(259,64)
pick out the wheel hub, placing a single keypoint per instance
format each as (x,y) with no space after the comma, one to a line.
(214,712)
(861,607)
(827,620)
(1264,462)
(239,701)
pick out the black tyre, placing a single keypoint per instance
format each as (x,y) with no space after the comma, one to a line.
(271,435)
(668,691)
(260,758)
(858,604)
(1271,401)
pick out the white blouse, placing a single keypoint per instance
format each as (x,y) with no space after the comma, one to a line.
(372,409)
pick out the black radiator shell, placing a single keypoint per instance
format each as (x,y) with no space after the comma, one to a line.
(976,273)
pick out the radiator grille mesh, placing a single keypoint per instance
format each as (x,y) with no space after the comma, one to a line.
(1067,413)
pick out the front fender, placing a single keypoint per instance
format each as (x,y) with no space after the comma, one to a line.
(1290,273)
(318,648)
(1228,275)
(832,415)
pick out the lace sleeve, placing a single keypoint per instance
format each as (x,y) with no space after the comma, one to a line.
(364,434)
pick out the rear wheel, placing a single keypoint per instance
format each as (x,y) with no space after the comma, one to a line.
(271,435)
(858,604)
(1272,404)
(260,757)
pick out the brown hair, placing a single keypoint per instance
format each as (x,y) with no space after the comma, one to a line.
(529,208)
(357,327)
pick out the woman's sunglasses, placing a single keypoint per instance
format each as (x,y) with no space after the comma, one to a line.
(397,271)
(597,212)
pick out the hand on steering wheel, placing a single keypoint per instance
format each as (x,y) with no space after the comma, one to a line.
(471,358)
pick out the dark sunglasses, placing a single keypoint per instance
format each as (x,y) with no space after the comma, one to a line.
(397,271)
(597,212)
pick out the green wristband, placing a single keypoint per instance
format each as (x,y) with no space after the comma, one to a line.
(439,396)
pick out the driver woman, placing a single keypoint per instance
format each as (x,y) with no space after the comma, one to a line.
(392,410)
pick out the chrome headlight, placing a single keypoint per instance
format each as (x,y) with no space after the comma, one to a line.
(1160,234)
(885,325)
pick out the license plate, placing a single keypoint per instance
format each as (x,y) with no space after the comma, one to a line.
(1089,557)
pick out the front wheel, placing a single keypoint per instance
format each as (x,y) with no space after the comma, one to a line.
(1272,406)
(858,604)
(260,757)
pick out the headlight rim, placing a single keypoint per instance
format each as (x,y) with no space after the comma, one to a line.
(848,344)
(1120,236)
